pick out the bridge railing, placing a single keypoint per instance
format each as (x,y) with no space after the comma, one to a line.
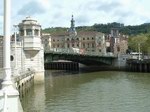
(77,51)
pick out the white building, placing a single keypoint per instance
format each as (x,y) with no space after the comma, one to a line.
(29,53)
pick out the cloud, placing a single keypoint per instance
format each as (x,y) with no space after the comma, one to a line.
(52,13)
(32,8)
(104,6)
(82,20)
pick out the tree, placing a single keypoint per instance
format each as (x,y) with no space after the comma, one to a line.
(138,41)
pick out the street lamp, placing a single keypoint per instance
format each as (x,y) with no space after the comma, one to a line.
(9,94)
(139,50)
(15,34)
(6,44)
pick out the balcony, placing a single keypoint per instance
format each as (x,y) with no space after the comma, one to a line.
(32,43)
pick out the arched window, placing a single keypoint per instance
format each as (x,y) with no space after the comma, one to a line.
(11,57)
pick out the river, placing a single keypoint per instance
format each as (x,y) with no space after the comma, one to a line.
(103,91)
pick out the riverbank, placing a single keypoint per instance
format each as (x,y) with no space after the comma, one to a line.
(135,65)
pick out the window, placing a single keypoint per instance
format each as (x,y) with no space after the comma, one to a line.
(83,45)
(36,32)
(83,38)
(93,45)
(29,32)
(68,45)
(11,58)
(88,45)
(72,45)
(21,32)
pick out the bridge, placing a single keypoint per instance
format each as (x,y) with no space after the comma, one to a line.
(87,58)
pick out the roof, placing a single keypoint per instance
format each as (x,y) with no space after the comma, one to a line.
(80,33)
(88,33)
(60,34)
(29,21)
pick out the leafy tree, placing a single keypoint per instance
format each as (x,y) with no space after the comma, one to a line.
(139,42)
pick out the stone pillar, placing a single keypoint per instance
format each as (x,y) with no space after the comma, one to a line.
(33,32)
(145,67)
(25,32)
(140,65)
(8,94)
(39,32)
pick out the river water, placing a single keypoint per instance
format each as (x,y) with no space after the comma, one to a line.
(104,91)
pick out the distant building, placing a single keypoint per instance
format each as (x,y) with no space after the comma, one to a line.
(85,41)
(116,43)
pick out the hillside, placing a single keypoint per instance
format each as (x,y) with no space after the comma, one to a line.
(105,28)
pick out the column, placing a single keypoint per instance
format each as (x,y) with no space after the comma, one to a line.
(8,93)
(25,32)
(33,32)
(39,32)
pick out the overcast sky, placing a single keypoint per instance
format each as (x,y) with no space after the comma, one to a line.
(52,13)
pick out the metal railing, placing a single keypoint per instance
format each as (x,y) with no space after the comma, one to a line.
(77,51)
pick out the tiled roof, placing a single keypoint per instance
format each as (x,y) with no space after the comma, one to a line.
(60,34)
(80,33)
(87,33)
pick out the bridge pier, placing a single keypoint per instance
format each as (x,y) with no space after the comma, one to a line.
(62,65)
(138,65)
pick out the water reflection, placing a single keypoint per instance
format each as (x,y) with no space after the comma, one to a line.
(90,92)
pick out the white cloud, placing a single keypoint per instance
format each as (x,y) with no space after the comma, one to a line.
(51,13)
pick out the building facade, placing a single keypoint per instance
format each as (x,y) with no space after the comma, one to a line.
(84,41)
(116,43)
(28,53)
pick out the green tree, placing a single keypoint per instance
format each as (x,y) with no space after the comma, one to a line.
(138,42)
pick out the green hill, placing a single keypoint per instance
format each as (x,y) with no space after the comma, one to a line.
(105,28)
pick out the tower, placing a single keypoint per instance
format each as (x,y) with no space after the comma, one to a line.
(32,54)
(29,31)
(72,30)
(114,39)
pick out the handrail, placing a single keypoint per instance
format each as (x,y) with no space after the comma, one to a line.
(5,102)
(77,51)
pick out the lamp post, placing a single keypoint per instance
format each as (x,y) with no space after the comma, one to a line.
(139,49)
(9,94)
(6,44)
(16,71)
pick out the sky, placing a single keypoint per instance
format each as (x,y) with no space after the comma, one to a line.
(57,13)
